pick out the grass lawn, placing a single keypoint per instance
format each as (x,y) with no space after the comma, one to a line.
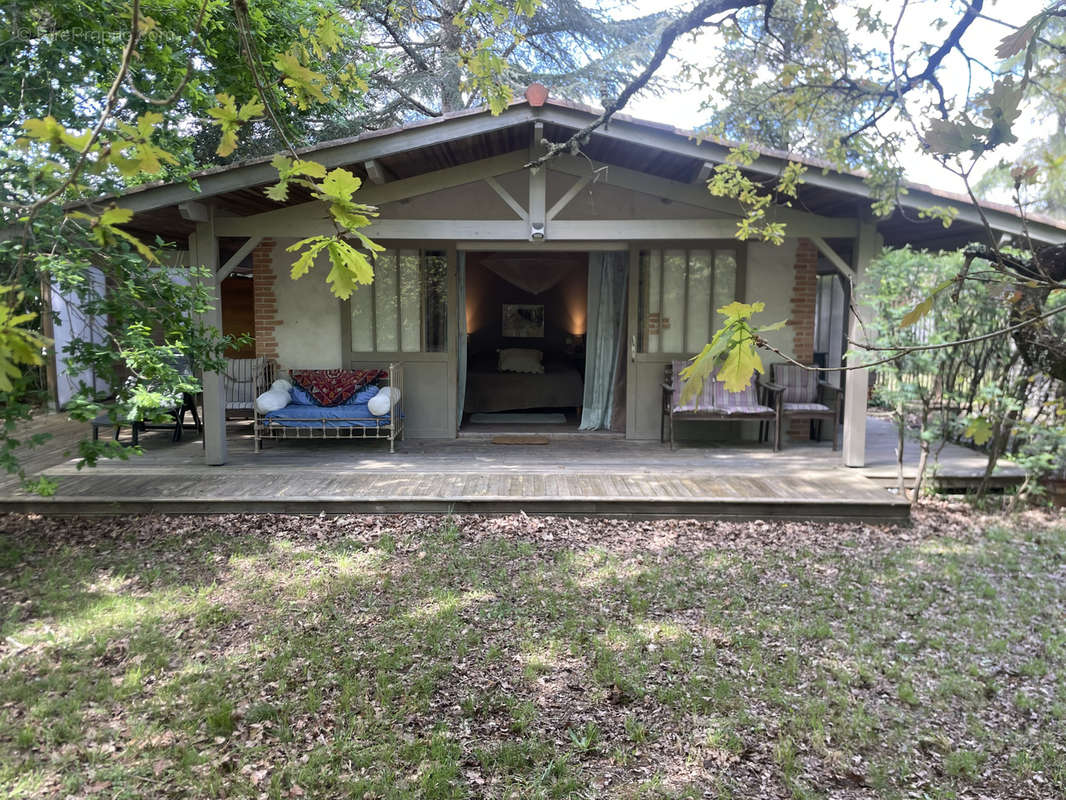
(417,657)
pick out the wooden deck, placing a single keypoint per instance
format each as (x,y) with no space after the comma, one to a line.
(589,474)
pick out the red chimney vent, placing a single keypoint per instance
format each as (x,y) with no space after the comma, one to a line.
(536,94)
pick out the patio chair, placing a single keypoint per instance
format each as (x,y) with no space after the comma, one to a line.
(715,404)
(805,396)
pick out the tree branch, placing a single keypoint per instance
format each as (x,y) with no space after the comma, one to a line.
(696,18)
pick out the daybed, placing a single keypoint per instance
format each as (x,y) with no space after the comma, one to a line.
(351,419)
(489,389)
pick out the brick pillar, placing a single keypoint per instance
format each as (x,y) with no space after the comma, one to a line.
(266,303)
(804,287)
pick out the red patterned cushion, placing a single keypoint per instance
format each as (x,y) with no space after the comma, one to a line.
(331,387)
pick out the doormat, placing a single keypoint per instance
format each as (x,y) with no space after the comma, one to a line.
(513,418)
(521,440)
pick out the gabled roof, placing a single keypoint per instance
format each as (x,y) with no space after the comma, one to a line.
(651,147)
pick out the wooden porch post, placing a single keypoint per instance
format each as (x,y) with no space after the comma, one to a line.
(538,182)
(867,243)
(214,394)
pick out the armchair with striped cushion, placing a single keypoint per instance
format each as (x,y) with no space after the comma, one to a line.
(806,396)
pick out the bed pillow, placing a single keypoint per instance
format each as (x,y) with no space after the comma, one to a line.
(520,359)
(332,387)
(365,395)
(300,397)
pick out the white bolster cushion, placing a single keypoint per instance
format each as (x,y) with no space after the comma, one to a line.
(272,400)
(381,403)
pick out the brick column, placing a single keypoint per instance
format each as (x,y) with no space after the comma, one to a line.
(801,320)
(266,303)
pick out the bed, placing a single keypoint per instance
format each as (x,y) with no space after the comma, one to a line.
(488,389)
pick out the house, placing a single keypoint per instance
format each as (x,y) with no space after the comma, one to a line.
(484,254)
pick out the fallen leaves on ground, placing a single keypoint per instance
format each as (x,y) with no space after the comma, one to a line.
(517,656)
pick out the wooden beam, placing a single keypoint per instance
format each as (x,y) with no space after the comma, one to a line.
(704,174)
(483,245)
(234,260)
(447,229)
(375,171)
(834,258)
(857,386)
(368,146)
(270,222)
(214,397)
(538,187)
(611,230)
(642,229)
(506,196)
(570,194)
(678,142)
(193,211)
(801,223)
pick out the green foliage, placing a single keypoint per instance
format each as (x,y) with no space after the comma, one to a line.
(733,351)
(446,57)
(350,265)
(1000,108)
(229,119)
(19,346)
(979,429)
(154,341)
(980,393)
(306,85)
(730,179)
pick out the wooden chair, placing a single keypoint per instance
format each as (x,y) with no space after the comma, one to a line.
(715,404)
(805,396)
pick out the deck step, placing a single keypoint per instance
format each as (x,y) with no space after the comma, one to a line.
(830,496)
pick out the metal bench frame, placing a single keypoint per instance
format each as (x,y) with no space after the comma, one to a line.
(391,428)
(764,389)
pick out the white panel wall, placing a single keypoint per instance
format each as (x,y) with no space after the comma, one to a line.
(71,324)
(309,336)
(770,279)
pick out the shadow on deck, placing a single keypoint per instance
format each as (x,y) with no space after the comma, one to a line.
(571,475)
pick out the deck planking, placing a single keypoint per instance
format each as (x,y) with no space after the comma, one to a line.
(580,475)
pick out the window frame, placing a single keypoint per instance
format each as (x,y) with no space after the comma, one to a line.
(639,301)
(351,356)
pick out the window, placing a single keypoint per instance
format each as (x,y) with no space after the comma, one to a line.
(680,288)
(405,309)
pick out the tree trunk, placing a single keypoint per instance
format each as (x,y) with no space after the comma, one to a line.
(451,95)
(901,428)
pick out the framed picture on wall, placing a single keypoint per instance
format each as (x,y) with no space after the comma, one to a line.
(523,321)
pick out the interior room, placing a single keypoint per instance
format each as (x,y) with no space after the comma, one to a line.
(526,316)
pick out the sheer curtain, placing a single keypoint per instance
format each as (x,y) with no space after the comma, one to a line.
(604,338)
(461,310)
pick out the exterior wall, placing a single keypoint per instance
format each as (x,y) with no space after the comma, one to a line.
(265,305)
(475,200)
(804,287)
(786,279)
(297,322)
(801,320)
(299,325)
(770,280)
